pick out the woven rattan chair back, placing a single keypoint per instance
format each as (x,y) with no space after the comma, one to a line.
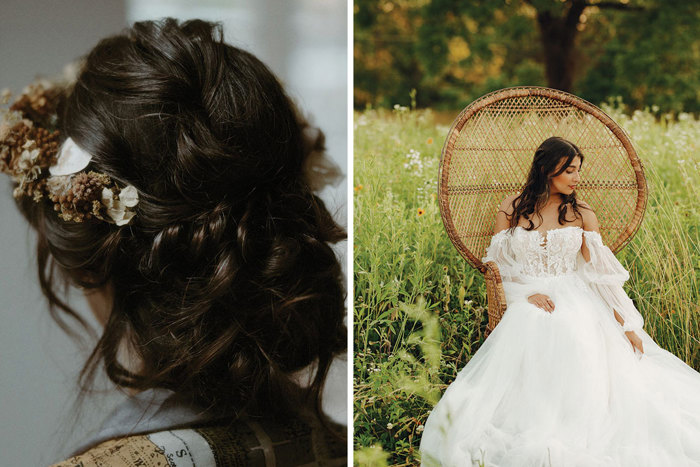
(489,150)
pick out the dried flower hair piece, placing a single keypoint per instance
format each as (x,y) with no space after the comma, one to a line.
(79,195)
(30,154)
(25,152)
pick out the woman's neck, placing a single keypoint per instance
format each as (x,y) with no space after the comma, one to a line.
(554,198)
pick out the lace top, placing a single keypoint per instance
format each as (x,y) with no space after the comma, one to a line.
(553,254)
(527,258)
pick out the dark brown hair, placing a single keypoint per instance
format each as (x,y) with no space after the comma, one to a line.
(224,283)
(535,193)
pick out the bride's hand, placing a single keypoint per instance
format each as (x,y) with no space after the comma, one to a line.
(541,301)
(635,340)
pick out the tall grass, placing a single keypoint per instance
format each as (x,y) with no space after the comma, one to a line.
(419,309)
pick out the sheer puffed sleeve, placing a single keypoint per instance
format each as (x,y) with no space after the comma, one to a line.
(516,285)
(605,275)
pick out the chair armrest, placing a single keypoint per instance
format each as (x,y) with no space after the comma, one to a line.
(495,295)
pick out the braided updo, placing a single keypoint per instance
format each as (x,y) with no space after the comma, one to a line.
(224,282)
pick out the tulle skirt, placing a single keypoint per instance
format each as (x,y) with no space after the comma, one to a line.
(566,389)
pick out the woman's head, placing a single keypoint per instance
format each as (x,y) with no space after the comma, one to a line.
(554,173)
(223,284)
(552,169)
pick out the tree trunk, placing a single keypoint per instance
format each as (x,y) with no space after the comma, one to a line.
(557,35)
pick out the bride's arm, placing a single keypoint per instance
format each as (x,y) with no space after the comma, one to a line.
(606,275)
(514,286)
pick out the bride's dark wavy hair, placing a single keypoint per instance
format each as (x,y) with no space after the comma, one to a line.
(224,283)
(535,193)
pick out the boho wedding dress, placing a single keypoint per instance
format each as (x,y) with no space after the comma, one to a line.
(565,388)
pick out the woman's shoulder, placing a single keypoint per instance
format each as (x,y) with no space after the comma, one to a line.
(507,203)
(590,220)
(255,442)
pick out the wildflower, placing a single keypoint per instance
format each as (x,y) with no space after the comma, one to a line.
(389,426)
(414,161)
(359,187)
(430,141)
(420,212)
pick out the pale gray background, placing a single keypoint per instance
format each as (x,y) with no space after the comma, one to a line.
(303,41)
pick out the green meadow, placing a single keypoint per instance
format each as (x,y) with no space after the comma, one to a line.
(420,310)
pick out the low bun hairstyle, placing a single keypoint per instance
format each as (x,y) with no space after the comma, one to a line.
(224,283)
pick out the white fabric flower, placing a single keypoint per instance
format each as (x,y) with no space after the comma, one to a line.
(118,209)
(129,196)
(71,159)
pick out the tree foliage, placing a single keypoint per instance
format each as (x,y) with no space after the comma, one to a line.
(451,51)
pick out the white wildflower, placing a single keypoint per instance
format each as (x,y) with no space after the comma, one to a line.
(414,161)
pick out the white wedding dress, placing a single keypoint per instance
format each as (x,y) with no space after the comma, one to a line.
(565,388)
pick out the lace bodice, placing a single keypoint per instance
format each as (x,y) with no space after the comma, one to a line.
(547,255)
(537,255)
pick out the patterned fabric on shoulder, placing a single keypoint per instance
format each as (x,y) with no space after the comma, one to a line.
(248,442)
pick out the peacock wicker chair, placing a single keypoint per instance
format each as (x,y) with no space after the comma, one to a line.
(487,156)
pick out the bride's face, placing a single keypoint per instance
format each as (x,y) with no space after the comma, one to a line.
(566,182)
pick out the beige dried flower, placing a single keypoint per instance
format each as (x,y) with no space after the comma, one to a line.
(38,102)
(77,202)
(25,151)
(5,95)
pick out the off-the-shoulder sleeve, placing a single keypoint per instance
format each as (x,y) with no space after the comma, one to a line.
(605,276)
(516,286)
(500,252)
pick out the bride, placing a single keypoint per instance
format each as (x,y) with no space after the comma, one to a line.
(569,377)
